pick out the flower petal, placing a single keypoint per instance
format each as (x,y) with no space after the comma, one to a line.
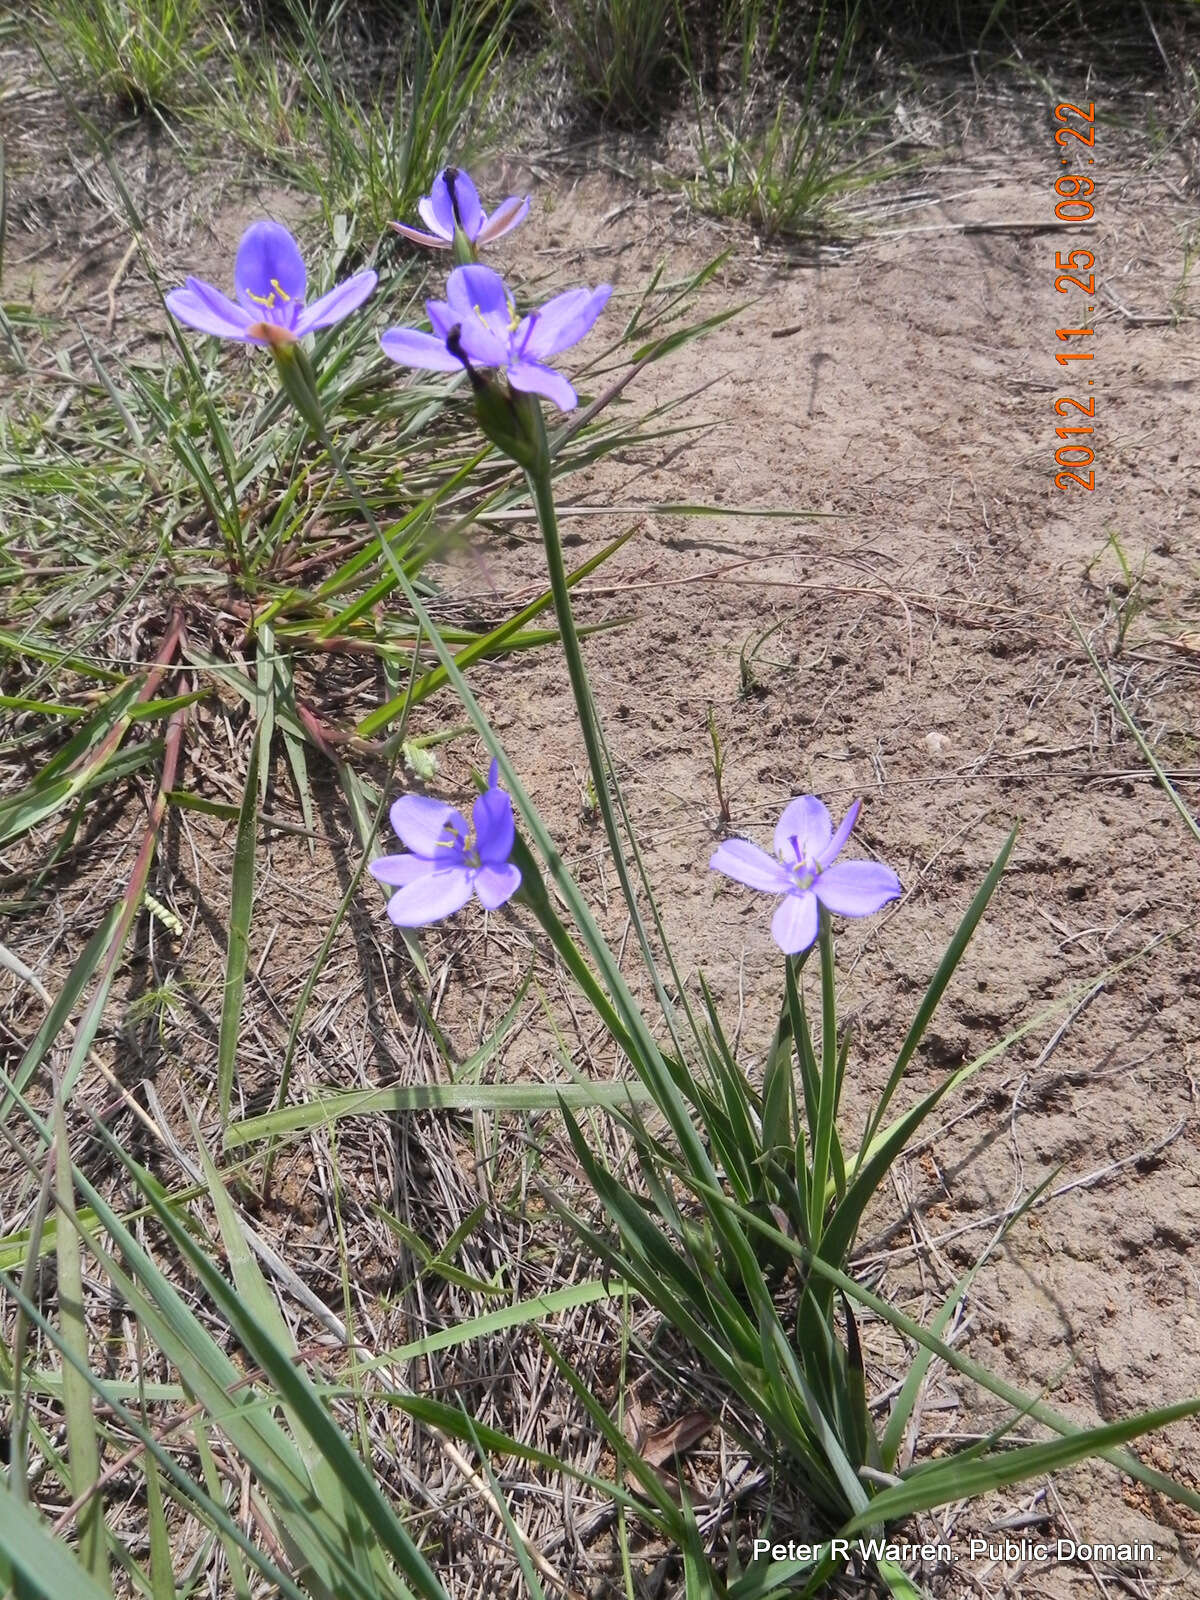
(479,344)
(399,870)
(563,321)
(424,825)
(833,849)
(495,885)
(533,378)
(413,349)
(431,241)
(746,863)
(201,306)
(428,211)
(494,827)
(480,289)
(808,822)
(479,301)
(857,888)
(269,275)
(437,209)
(794,925)
(508,215)
(338,303)
(462,196)
(441,319)
(430,897)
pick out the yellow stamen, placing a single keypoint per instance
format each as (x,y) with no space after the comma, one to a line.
(268,300)
(514,320)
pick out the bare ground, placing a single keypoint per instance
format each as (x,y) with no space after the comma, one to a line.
(916,648)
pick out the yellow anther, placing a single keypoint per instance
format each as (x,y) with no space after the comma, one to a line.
(514,321)
(268,300)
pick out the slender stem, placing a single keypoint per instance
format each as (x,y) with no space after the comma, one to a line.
(827,1102)
(542,487)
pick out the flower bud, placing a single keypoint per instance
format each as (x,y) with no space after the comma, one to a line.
(299,383)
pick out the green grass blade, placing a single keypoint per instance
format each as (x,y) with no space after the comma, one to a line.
(488,644)
(515,1537)
(198,1502)
(937,987)
(240,911)
(299,1397)
(887,1145)
(902,1407)
(49,793)
(162,1567)
(515,1316)
(45,1567)
(260,1305)
(1160,1482)
(899,1585)
(433,1097)
(65,1002)
(238,1575)
(266,676)
(82,1444)
(947,1481)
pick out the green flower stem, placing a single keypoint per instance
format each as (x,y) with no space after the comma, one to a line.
(532,451)
(542,486)
(827,1101)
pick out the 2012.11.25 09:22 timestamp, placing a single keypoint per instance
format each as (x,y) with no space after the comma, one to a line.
(1075,270)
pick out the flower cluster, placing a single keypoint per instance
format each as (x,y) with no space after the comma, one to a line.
(476,326)
(443,867)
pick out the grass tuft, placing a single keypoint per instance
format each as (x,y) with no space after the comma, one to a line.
(364,133)
(775,151)
(617,53)
(146,56)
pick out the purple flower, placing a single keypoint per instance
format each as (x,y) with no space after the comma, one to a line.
(807,872)
(443,869)
(490,334)
(270,282)
(454,199)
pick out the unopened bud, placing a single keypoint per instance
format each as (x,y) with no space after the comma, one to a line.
(299,383)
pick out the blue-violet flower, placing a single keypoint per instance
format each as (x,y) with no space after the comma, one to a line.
(270,282)
(805,871)
(454,200)
(479,317)
(444,867)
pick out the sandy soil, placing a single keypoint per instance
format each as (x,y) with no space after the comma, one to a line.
(915,648)
(918,650)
